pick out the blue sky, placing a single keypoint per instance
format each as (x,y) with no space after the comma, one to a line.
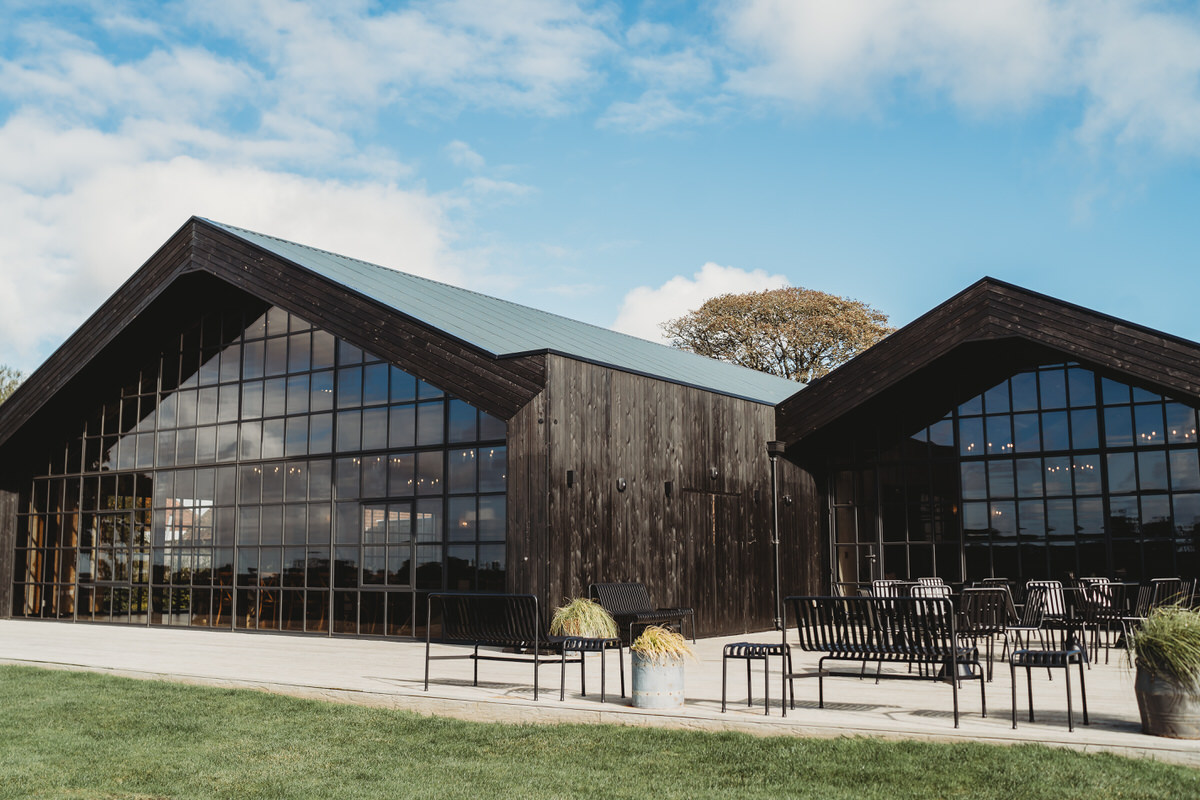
(613,162)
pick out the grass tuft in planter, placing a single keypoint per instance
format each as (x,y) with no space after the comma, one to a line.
(661,645)
(1167,685)
(1167,644)
(585,618)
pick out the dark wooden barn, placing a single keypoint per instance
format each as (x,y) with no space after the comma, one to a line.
(1006,433)
(351,438)
(252,434)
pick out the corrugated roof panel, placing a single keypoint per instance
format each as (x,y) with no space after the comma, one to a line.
(504,328)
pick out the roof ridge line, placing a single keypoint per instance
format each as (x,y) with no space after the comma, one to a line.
(488,297)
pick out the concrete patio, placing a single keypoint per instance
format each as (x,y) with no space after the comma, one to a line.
(390,674)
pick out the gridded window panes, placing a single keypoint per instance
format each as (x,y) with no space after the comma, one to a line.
(260,473)
(1060,473)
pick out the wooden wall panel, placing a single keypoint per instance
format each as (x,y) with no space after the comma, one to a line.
(530,555)
(707,544)
(8,541)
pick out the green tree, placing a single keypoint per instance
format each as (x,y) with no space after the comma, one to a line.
(792,332)
(10,379)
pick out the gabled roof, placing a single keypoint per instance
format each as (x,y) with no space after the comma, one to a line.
(504,329)
(986,329)
(487,351)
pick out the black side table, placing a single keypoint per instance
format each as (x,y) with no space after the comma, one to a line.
(757,651)
(1048,659)
(584,645)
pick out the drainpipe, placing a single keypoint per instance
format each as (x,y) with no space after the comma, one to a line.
(774,450)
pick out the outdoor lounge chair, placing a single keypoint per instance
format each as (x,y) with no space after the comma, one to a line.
(630,605)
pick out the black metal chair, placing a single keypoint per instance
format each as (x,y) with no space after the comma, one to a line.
(758,651)
(1030,622)
(1135,617)
(1056,616)
(1061,659)
(1167,591)
(630,606)
(583,645)
(984,614)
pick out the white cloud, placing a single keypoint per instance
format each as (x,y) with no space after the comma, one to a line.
(490,186)
(652,111)
(1133,67)
(645,308)
(339,58)
(73,240)
(461,155)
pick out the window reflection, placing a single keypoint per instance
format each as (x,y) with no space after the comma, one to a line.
(1102,490)
(216,529)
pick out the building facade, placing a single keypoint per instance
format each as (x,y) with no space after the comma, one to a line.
(256,435)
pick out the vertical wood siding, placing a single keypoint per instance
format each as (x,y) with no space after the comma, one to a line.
(707,545)
(8,541)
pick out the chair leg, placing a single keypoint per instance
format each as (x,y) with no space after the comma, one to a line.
(1012,673)
(749,691)
(952,665)
(1083,696)
(621,662)
(1067,680)
(724,680)
(991,652)
(787,682)
(767,685)
(562,677)
(982,695)
(1029,683)
(602,676)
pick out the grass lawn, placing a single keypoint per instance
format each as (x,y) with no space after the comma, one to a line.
(82,735)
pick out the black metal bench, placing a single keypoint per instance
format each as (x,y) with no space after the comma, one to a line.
(511,621)
(630,606)
(906,630)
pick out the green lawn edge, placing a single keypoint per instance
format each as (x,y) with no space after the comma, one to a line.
(88,735)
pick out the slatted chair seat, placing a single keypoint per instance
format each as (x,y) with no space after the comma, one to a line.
(756,651)
(1049,659)
(630,605)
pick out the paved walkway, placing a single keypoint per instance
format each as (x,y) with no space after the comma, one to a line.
(389,674)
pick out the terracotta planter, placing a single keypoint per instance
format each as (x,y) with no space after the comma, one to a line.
(656,685)
(1167,708)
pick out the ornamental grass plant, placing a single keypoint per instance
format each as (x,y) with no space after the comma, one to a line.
(583,617)
(1167,644)
(660,645)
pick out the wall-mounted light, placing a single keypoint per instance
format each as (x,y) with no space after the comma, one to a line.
(713,473)
(570,478)
(621,484)
(787,499)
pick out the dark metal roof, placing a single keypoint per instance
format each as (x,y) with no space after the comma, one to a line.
(502,328)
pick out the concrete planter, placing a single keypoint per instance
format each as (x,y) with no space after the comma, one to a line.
(1167,708)
(657,685)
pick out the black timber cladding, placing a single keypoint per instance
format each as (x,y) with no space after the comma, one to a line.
(8,541)
(706,544)
(989,327)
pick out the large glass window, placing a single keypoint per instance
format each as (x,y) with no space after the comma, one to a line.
(262,474)
(1053,472)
